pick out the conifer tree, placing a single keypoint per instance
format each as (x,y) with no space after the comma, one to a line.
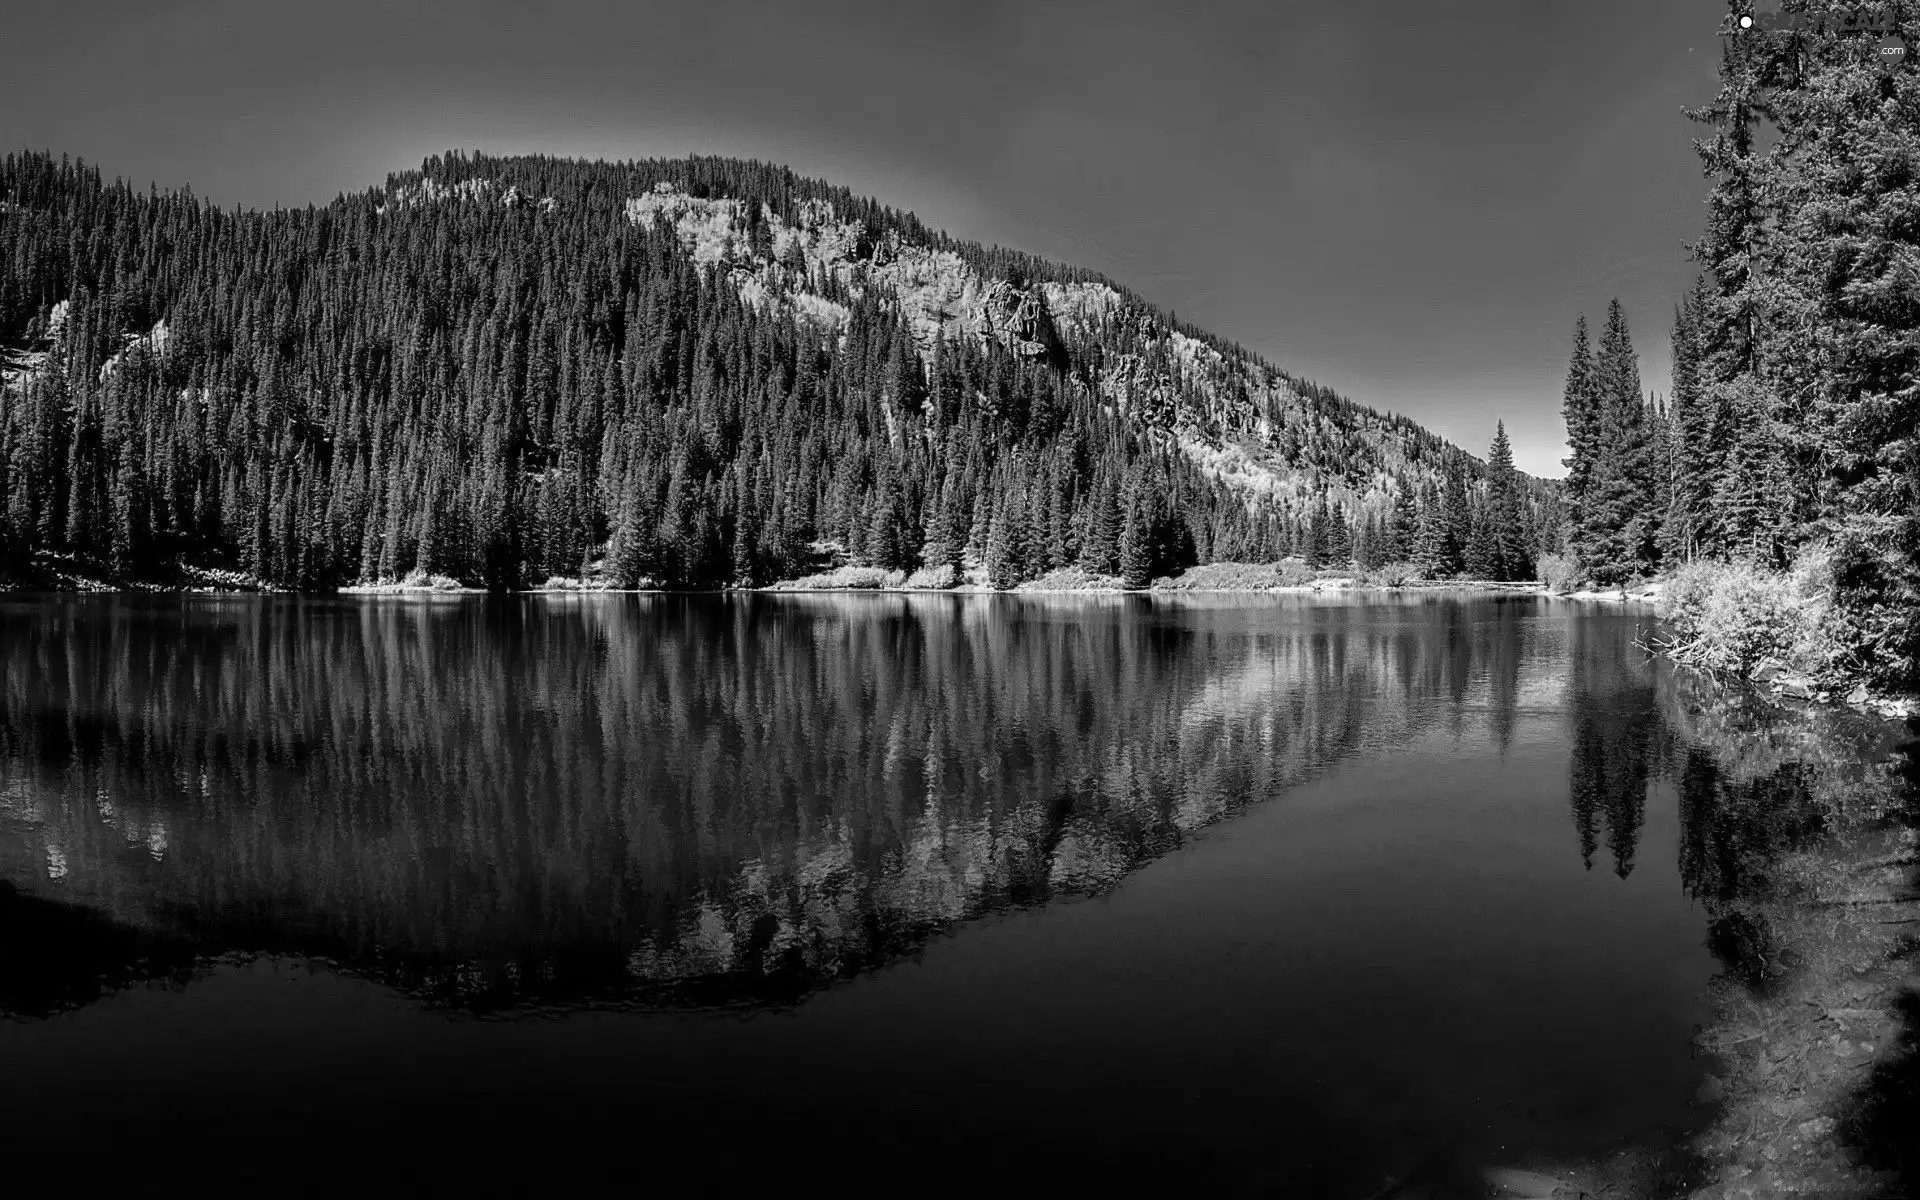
(1100,553)
(1339,538)
(1695,459)
(1509,543)
(1580,407)
(1136,543)
(1437,547)
(1617,525)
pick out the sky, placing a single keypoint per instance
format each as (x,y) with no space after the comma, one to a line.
(1409,202)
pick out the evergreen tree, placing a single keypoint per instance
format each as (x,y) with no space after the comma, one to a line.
(1580,408)
(1617,526)
(1136,544)
(1339,539)
(1436,551)
(1695,457)
(1509,551)
(1100,553)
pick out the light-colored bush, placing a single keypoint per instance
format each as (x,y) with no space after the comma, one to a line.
(934,578)
(1558,572)
(415,580)
(1073,579)
(1242,577)
(568,583)
(1731,617)
(846,578)
(1393,574)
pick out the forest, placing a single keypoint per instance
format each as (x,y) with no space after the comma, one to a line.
(1790,443)
(699,373)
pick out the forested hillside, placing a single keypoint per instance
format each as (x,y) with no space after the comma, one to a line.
(696,372)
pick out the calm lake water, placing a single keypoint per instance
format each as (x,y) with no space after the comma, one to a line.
(1254,894)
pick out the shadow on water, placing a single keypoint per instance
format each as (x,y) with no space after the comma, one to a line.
(62,956)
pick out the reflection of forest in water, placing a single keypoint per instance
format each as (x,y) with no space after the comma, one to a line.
(695,800)
(1762,786)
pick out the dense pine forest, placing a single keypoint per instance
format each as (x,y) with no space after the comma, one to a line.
(1790,442)
(689,373)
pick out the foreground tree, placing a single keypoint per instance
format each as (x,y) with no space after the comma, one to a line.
(1808,324)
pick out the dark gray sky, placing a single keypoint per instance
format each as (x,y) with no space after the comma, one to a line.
(1407,201)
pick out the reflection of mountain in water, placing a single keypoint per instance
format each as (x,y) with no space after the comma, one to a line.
(658,800)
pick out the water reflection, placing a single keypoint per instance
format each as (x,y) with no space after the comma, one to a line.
(705,801)
(674,801)
(1761,785)
(1619,741)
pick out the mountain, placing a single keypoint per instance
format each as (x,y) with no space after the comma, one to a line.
(688,372)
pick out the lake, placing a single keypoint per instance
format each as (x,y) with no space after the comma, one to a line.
(1251,894)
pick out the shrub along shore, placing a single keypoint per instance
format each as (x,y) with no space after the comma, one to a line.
(1288,575)
(1784,631)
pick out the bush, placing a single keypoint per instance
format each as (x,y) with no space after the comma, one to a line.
(858,578)
(1558,572)
(1393,574)
(1241,577)
(1731,617)
(1073,579)
(934,578)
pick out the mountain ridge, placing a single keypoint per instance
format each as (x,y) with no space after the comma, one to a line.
(683,371)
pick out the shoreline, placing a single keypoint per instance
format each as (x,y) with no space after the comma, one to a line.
(377,591)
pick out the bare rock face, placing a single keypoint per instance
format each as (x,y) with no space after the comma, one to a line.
(1239,419)
(1016,317)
